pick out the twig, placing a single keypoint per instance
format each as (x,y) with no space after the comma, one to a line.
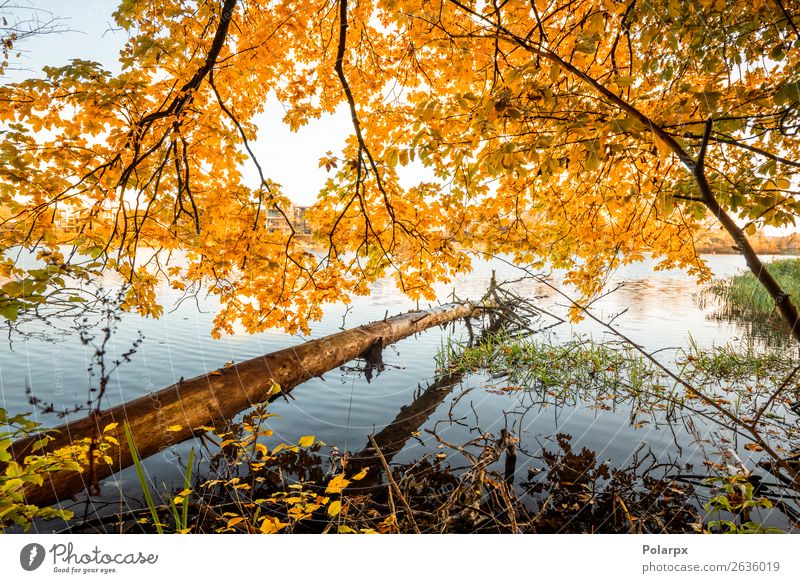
(393,484)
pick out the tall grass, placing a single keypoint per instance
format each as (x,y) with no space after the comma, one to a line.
(746,293)
(580,369)
(561,368)
(137,462)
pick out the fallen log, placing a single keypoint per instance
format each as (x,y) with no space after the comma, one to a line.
(175,414)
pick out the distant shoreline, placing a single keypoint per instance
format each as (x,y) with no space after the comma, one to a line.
(721,244)
(790,253)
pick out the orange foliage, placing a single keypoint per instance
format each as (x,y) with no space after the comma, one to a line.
(557,130)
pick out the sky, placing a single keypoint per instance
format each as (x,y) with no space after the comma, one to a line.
(289,158)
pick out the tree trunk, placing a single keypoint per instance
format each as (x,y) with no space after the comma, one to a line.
(215,397)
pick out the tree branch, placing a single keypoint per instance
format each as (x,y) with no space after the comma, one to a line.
(782,300)
(699,166)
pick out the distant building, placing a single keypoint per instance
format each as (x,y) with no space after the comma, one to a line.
(300,224)
(68,219)
(276,221)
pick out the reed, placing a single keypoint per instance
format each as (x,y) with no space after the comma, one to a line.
(744,292)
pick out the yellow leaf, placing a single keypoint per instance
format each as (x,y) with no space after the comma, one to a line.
(271,525)
(110,427)
(624,82)
(275,389)
(663,148)
(336,485)
(306,441)
(174,428)
(360,475)
(391,158)
(334,508)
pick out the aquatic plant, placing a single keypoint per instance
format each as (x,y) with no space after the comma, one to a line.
(744,292)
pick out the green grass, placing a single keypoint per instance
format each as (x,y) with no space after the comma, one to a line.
(580,370)
(746,293)
(181,515)
(569,368)
(741,361)
(137,462)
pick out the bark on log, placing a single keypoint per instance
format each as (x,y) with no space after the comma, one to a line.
(217,396)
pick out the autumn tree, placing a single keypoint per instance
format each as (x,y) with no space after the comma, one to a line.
(583,133)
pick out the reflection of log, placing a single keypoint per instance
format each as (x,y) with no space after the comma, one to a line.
(217,396)
(507,440)
(392,438)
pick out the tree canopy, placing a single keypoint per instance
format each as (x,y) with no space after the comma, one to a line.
(583,133)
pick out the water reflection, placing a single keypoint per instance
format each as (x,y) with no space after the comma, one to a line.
(345,406)
(576,492)
(770,331)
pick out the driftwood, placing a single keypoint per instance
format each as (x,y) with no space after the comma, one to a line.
(215,397)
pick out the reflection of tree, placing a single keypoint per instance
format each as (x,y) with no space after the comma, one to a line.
(571,492)
(755,328)
(579,494)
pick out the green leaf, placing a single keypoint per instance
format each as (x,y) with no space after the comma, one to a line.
(9,310)
(4,445)
(624,81)
(788,93)
(39,444)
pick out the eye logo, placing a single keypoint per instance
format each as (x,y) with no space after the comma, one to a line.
(31,556)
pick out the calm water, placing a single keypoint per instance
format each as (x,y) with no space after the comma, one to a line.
(343,408)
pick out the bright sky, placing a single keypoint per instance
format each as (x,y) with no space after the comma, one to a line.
(291,159)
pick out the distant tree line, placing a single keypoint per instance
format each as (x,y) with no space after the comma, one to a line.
(719,242)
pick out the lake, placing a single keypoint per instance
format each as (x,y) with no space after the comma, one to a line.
(343,408)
